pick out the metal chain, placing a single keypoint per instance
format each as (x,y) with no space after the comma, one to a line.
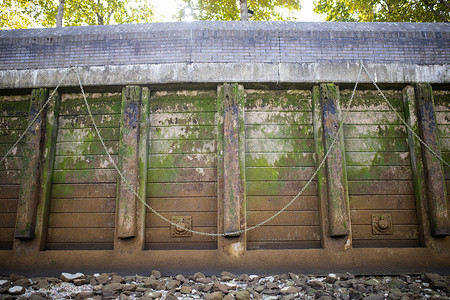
(35,118)
(130,187)
(403,121)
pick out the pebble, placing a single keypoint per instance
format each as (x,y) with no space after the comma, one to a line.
(227,286)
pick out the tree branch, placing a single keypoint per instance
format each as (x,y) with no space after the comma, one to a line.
(443,18)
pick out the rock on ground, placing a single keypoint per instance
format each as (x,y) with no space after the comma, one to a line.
(226,286)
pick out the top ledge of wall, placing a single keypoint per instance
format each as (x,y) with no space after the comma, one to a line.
(224,27)
(194,45)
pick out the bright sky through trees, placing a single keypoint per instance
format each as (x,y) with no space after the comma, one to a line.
(166,9)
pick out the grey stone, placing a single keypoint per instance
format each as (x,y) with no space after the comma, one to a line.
(172,284)
(429,277)
(331,278)
(153,294)
(23,282)
(221,287)
(15,277)
(185,289)
(68,277)
(152,283)
(116,287)
(103,278)
(315,284)
(229,297)
(288,290)
(156,273)
(272,285)
(116,279)
(129,287)
(372,282)
(198,275)
(244,278)
(204,280)
(84,295)
(171,296)
(181,278)
(36,297)
(208,287)
(243,295)
(214,296)
(227,276)
(16,290)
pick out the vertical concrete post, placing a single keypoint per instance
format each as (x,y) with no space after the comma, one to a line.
(128,162)
(409,105)
(30,176)
(231,166)
(434,173)
(339,222)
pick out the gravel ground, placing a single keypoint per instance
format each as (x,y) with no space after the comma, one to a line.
(226,286)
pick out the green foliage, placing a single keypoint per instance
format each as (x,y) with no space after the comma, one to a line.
(229,10)
(25,14)
(13,14)
(384,10)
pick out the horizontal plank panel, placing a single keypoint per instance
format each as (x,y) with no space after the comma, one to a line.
(441,100)
(15,108)
(86,148)
(383,202)
(91,97)
(286,218)
(80,235)
(13,123)
(182,119)
(443,117)
(280,118)
(372,118)
(69,108)
(278,131)
(399,217)
(183,132)
(81,220)
(83,190)
(181,146)
(284,233)
(8,205)
(10,135)
(278,100)
(374,144)
(11,163)
(278,173)
(444,143)
(184,96)
(80,246)
(168,104)
(7,235)
(182,174)
(381,187)
(379,172)
(183,204)
(85,121)
(401,232)
(9,191)
(199,219)
(377,159)
(190,189)
(7,220)
(271,203)
(372,100)
(182,160)
(283,245)
(83,205)
(85,176)
(443,131)
(279,145)
(280,160)
(385,243)
(87,135)
(162,235)
(84,162)
(181,245)
(16,151)
(373,131)
(10,177)
(274,188)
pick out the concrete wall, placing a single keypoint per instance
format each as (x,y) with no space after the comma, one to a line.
(218,125)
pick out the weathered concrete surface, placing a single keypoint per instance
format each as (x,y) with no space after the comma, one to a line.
(155,74)
(434,173)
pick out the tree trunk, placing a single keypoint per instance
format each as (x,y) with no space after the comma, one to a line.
(59,16)
(244,10)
